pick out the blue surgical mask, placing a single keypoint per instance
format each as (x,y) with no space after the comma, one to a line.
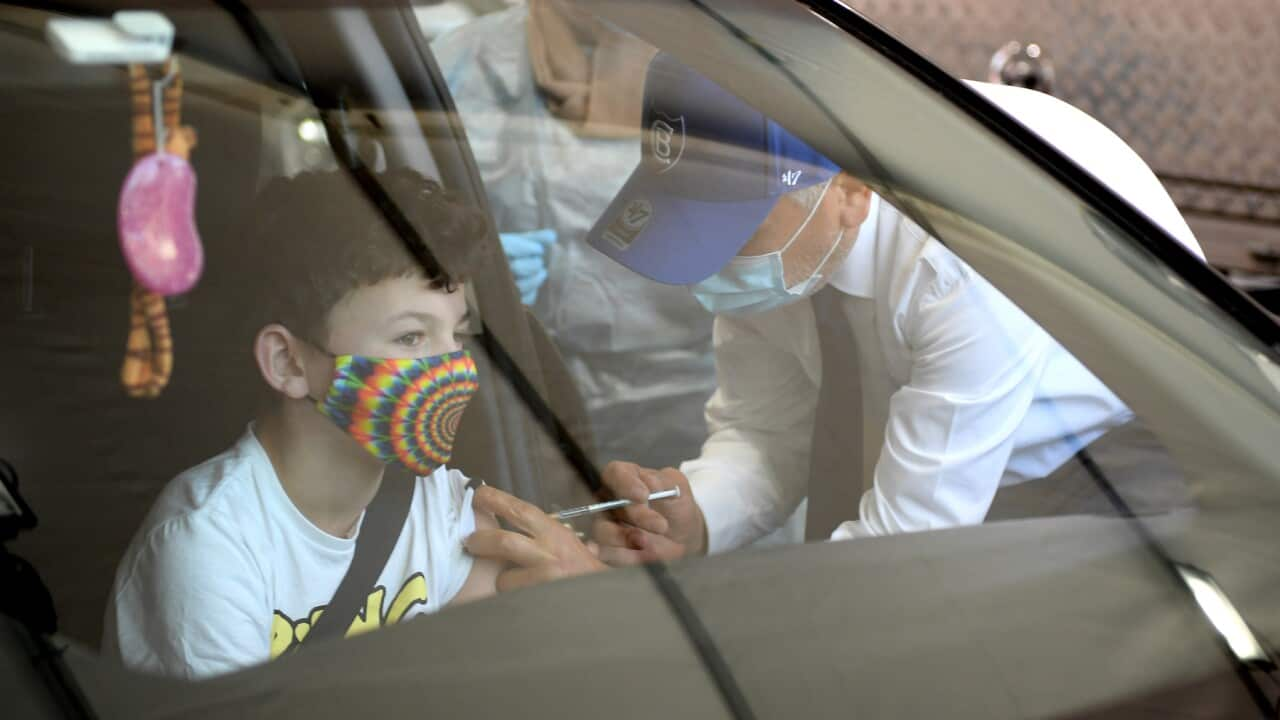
(757,283)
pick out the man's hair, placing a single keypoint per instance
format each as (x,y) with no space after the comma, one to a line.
(316,237)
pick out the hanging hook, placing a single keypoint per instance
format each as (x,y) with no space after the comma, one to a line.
(157,105)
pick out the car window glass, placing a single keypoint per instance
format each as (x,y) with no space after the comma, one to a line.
(929,336)
(1096,313)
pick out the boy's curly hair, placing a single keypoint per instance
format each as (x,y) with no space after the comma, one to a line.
(315,237)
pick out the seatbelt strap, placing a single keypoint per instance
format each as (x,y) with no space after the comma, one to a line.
(835,455)
(379,532)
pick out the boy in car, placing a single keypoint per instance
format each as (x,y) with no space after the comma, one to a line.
(358,348)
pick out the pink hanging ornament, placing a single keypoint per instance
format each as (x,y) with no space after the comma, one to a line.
(157,224)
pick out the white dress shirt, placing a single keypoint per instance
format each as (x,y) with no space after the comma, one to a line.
(962,392)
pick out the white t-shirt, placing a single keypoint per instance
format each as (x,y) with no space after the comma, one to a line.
(226,572)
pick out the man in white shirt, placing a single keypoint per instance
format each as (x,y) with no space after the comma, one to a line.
(962,393)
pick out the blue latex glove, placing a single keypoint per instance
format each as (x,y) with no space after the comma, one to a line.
(527,255)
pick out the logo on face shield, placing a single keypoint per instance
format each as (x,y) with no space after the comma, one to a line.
(629,223)
(666,138)
(791,177)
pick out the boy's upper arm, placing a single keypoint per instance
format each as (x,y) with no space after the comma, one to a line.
(482,580)
(189,605)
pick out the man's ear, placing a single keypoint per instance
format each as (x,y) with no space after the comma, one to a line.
(856,201)
(279,354)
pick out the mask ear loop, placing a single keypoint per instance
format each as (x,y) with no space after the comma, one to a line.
(835,245)
(813,211)
(790,241)
(326,353)
(801,287)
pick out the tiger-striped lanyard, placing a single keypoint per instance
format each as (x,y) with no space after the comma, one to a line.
(148,358)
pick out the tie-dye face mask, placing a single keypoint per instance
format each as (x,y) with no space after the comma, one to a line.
(402,410)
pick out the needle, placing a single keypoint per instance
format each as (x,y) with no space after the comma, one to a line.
(599,507)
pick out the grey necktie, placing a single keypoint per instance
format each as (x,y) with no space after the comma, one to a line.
(835,457)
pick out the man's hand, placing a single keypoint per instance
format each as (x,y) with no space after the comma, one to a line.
(547,550)
(640,532)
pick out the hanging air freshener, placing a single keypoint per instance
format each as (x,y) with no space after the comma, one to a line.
(157,199)
(156,217)
(157,203)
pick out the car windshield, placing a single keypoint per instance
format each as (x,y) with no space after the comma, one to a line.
(916,372)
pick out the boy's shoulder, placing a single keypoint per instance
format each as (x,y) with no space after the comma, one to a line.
(447,492)
(221,494)
(198,554)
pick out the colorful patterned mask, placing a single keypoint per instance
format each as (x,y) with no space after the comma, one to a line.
(402,410)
